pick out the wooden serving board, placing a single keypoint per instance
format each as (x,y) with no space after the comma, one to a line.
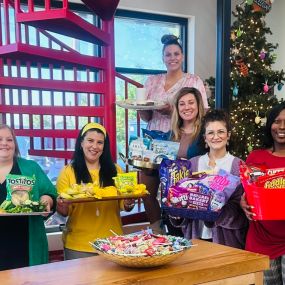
(110,198)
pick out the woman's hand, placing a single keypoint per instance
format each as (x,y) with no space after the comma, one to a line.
(145,115)
(62,207)
(47,200)
(167,110)
(129,204)
(246,208)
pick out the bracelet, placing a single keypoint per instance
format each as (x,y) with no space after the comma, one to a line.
(174,217)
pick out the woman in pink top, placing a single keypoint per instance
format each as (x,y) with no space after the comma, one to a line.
(162,88)
(268,237)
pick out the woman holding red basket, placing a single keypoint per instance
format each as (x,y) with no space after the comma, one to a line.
(264,236)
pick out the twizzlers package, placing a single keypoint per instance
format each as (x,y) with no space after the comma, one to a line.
(172,171)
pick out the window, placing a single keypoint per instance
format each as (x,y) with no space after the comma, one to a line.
(138,48)
(138,53)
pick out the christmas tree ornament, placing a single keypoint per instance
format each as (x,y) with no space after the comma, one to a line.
(274,57)
(243,69)
(262,55)
(239,32)
(235,90)
(261,6)
(257,119)
(279,86)
(249,148)
(265,87)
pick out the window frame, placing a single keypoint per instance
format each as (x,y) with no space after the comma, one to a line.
(182,21)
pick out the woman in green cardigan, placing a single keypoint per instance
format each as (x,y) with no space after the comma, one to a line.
(23,240)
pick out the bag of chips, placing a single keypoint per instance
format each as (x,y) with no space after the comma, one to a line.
(157,135)
(19,188)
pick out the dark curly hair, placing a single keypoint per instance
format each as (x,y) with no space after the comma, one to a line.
(107,167)
(168,40)
(215,115)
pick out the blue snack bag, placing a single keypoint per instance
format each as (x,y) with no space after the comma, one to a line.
(156,135)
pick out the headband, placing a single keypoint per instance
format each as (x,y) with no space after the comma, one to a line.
(93,126)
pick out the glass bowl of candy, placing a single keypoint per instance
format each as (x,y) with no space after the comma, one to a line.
(141,250)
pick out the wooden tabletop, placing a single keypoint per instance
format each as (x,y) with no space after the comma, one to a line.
(203,263)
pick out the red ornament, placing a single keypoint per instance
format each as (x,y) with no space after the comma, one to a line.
(261,5)
(241,66)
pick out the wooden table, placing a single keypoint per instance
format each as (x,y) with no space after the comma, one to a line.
(206,263)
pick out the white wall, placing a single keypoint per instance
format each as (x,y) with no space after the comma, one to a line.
(276,21)
(203,18)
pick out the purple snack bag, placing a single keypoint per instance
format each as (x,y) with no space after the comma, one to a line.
(178,197)
(172,171)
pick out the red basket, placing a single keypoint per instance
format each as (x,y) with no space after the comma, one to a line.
(268,203)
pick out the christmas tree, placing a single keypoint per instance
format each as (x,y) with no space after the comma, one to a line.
(252,78)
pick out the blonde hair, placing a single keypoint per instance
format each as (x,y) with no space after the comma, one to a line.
(17,151)
(177,121)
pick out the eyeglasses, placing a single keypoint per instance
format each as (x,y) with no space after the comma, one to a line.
(219,133)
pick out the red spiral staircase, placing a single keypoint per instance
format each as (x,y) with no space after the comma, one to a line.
(31,92)
(24,95)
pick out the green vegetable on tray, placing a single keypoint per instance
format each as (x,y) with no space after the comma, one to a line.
(27,206)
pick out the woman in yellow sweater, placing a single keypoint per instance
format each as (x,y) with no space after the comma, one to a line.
(91,162)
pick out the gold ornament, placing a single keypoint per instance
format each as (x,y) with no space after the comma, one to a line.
(257,120)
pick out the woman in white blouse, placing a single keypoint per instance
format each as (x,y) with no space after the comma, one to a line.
(231,226)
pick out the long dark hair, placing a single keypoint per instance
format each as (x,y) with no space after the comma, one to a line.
(268,141)
(107,167)
(168,40)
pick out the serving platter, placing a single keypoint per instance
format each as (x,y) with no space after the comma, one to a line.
(143,164)
(148,105)
(110,198)
(25,214)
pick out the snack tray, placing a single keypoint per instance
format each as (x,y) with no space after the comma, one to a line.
(132,104)
(24,214)
(110,198)
(142,164)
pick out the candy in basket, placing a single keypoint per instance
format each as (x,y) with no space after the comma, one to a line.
(265,191)
(200,196)
(141,250)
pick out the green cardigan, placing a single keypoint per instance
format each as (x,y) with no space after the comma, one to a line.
(38,245)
